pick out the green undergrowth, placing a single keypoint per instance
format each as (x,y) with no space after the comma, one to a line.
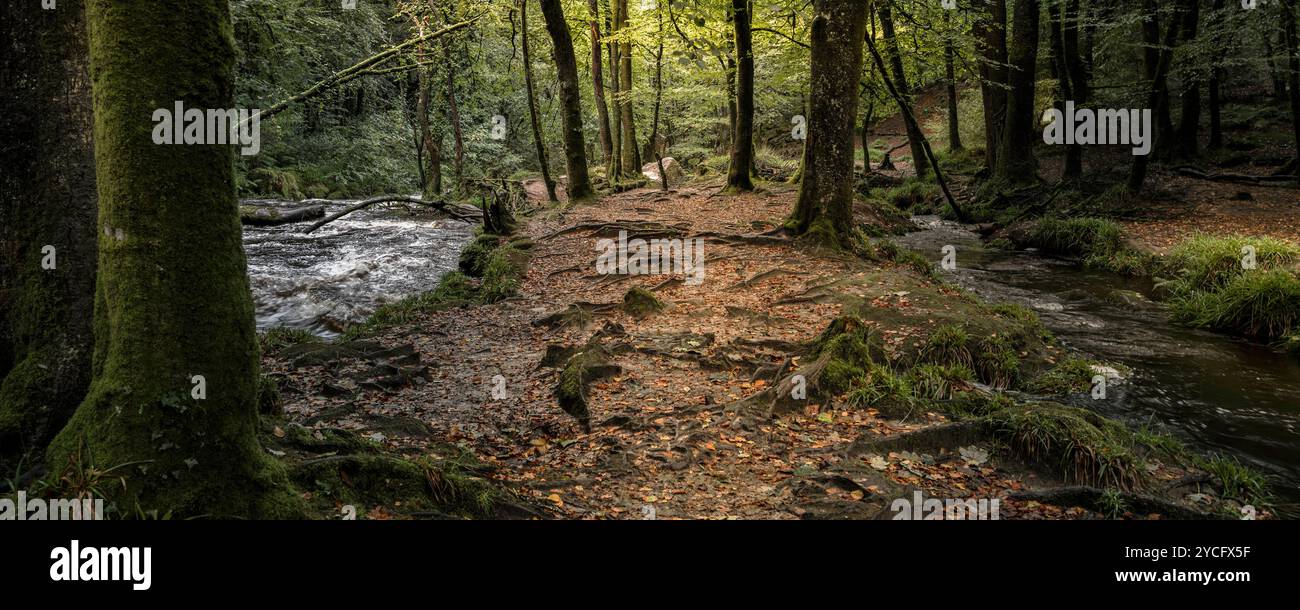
(1242,285)
(342,475)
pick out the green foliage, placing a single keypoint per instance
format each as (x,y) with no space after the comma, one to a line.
(915,195)
(947,344)
(1077,236)
(1069,376)
(1086,447)
(1236,481)
(1210,287)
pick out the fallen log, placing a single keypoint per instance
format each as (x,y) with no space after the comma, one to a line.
(269,216)
(457,211)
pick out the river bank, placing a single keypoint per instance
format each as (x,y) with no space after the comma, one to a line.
(691,406)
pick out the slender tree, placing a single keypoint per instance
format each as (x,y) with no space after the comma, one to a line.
(895,59)
(533,116)
(566,66)
(631,156)
(598,85)
(950,81)
(742,142)
(1158,96)
(825,203)
(47,223)
(173,396)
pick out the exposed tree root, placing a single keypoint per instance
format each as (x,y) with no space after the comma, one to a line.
(1096,500)
(933,438)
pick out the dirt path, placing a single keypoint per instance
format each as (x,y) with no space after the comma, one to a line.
(667,440)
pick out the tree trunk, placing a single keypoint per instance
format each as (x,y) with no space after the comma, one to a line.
(990,31)
(1216,77)
(566,66)
(453,118)
(659,97)
(895,59)
(954,133)
(825,204)
(631,156)
(1062,58)
(532,104)
(1016,163)
(615,165)
(1078,71)
(1151,59)
(1189,122)
(598,84)
(432,151)
(742,141)
(1293,72)
(173,313)
(1158,98)
(47,198)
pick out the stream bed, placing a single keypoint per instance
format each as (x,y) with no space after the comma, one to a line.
(1216,393)
(336,276)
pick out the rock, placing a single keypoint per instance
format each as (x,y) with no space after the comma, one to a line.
(671,167)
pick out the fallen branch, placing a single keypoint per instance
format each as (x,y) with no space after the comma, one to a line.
(269,216)
(1187,170)
(459,212)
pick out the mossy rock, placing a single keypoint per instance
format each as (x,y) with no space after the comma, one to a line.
(474,258)
(641,303)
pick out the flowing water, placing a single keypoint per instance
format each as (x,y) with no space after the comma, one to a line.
(1216,393)
(338,275)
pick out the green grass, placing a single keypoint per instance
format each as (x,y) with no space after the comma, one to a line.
(1077,236)
(1237,482)
(1070,376)
(1085,447)
(918,196)
(1210,286)
(948,344)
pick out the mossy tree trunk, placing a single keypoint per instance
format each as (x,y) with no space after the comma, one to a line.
(825,204)
(172,298)
(566,66)
(1016,163)
(631,157)
(742,140)
(950,80)
(428,144)
(598,84)
(47,198)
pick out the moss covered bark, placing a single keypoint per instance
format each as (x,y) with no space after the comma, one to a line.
(172,296)
(47,198)
(825,205)
(566,65)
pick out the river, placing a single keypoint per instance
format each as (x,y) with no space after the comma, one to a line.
(338,275)
(1216,393)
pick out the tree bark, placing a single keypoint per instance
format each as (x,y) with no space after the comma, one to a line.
(453,118)
(1216,77)
(825,203)
(990,30)
(1016,163)
(659,96)
(954,132)
(1158,98)
(47,198)
(615,169)
(532,104)
(432,151)
(742,141)
(631,156)
(566,66)
(598,84)
(1189,122)
(1293,73)
(172,295)
(895,60)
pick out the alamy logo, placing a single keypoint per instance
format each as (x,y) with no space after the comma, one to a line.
(655,257)
(131,564)
(57,509)
(214,126)
(1104,126)
(933,509)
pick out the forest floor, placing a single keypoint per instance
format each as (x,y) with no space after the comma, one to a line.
(669,438)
